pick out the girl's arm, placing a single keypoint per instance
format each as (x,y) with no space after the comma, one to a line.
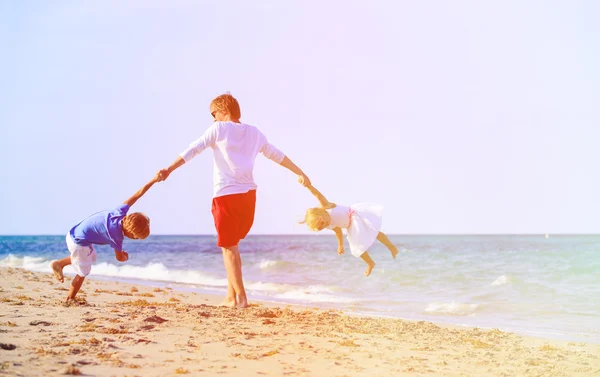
(340,239)
(324,202)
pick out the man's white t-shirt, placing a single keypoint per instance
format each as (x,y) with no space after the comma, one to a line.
(235,147)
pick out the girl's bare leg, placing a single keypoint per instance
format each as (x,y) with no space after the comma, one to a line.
(381,237)
(370,264)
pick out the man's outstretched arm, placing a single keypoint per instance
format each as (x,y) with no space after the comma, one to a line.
(288,164)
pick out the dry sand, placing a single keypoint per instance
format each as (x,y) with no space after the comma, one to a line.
(119,329)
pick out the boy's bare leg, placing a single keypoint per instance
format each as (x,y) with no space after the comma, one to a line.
(57,268)
(370,264)
(233,266)
(381,237)
(75,285)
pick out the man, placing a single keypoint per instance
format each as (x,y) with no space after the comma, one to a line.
(235,146)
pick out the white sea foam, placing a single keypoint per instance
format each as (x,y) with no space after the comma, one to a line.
(452,308)
(268,263)
(285,288)
(267,287)
(157,272)
(151,271)
(28,263)
(307,296)
(501,280)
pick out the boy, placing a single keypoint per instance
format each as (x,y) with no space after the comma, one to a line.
(235,146)
(102,228)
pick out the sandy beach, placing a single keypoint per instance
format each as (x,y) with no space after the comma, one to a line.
(118,329)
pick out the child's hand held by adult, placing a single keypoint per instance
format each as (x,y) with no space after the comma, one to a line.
(304,180)
(163,174)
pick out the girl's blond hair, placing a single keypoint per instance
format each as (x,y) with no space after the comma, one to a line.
(315,217)
(227,103)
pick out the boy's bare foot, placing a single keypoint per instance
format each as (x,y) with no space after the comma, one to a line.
(75,302)
(370,267)
(394,251)
(229,302)
(70,301)
(57,271)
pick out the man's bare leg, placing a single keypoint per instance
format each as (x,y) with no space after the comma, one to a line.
(75,285)
(230,299)
(370,264)
(233,266)
(57,268)
(381,237)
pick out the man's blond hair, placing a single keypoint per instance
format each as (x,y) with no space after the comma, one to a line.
(227,103)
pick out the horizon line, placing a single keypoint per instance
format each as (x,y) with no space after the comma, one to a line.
(327,234)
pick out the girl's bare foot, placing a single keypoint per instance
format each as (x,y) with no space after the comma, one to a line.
(57,271)
(369,268)
(242,304)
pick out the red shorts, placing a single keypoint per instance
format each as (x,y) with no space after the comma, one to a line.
(234,215)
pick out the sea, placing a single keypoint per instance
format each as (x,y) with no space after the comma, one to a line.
(547,286)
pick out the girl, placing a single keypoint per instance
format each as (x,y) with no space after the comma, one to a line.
(361,221)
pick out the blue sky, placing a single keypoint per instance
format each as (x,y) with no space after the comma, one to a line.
(459,117)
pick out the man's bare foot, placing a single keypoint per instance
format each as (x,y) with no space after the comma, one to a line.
(57,271)
(229,302)
(369,268)
(394,251)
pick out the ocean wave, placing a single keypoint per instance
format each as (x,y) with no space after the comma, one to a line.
(268,263)
(157,272)
(285,288)
(28,263)
(267,287)
(151,271)
(452,308)
(306,295)
(303,294)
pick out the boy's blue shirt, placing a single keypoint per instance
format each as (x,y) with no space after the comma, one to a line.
(102,228)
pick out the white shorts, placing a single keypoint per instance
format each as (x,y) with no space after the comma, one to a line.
(82,257)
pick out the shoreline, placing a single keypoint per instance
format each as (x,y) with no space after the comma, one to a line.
(191,288)
(442,321)
(122,329)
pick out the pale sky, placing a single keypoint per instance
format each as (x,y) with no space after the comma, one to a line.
(462,117)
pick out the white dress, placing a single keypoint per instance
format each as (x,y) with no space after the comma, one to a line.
(362,223)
